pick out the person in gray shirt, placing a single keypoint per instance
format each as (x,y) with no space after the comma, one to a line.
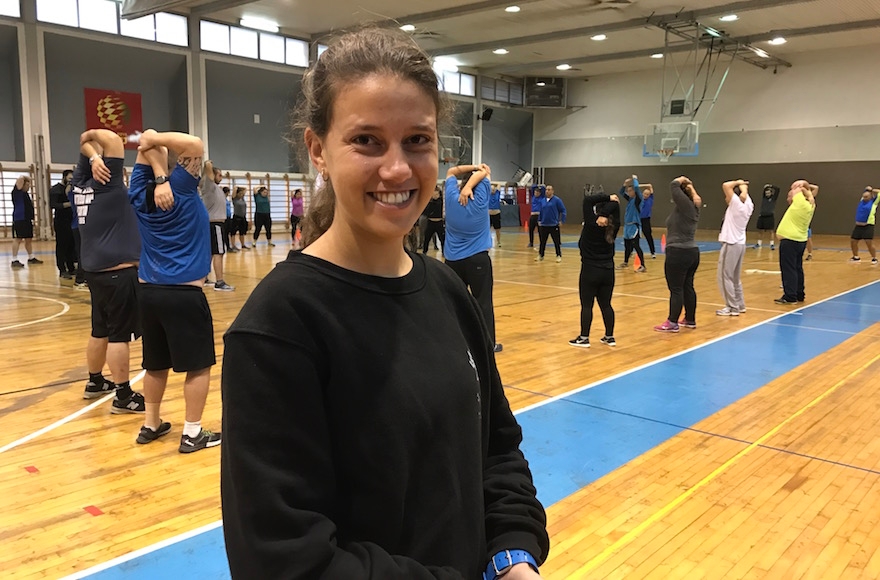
(215,202)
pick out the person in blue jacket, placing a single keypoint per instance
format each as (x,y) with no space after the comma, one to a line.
(537,200)
(632,222)
(552,214)
(647,207)
(495,213)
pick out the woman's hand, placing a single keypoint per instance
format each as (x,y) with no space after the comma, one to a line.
(602,221)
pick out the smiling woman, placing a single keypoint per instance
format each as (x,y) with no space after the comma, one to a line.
(366,430)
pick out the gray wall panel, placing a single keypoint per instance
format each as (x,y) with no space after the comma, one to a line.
(11,128)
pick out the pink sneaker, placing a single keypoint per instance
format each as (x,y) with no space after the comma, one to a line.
(667,326)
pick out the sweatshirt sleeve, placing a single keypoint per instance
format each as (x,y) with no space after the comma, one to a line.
(57,197)
(683,203)
(562,213)
(278,485)
(622,192)
(637,189)
(591,201)
(515,519)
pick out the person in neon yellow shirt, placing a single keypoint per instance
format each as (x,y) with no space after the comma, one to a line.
(792,235)
(866,215)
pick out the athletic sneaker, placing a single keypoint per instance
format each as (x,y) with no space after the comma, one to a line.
(558,258)
(687,324)
(81,286)
(784,301)
(35,260)
(855,259)
(727,312)
(609,340)
(271,244)
(531,246)
(641,269)
(809,257)
(147,435)
(498,347)
(133,404)
(771,246)
(539,258)
(66,275)
(653,256)
(17,265)
(233,250)
(873,261)
(667,326)
(203,440)
(221,286)
(246,247)
(581,341)
(93,391)
(622,266)
(209,282)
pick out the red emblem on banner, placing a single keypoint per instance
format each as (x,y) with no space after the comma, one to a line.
(114,110)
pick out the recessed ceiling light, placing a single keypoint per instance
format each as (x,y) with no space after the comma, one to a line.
(598,37)
(541,84)
(729,18)
(259,24)
(408,28)
(500,51)
(761,53)
(777,41)
(563,66)
(512,9)
(657,55)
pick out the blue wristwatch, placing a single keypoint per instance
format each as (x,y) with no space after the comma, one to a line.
(502,561)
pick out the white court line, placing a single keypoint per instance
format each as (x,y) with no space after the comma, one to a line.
(65,308)
(672,356)
(65,420)
(143,551)
(814,328)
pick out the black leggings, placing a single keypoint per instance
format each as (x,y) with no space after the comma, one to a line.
(596,283)
(543,232)
(681,265)
(629,246)
(65,249)
(260,220)
(476,273)
(533,224)
(433,227)
(646,229)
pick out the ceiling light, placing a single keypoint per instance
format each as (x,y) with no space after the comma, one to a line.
(500,51)
(657,55)
(259,24)
(445,63)
(541,84)
(729,18)
(761,53)
(598,37)
(408,28)
(512,9)
(563,67)
(777,41)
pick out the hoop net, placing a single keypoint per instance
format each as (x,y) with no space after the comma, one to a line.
(665,154)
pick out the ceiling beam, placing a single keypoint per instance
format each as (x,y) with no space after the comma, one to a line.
(744,40)
(653,20)
(217,6)
(137,8)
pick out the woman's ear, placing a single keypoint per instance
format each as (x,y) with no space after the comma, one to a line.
(316,150)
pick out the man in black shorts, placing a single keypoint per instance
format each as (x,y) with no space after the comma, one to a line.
(215,203)
(176,257)
(110,252)
(22,221)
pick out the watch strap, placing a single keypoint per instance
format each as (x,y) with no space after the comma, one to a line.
(503,560)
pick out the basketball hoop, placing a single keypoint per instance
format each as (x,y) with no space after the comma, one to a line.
(665,154)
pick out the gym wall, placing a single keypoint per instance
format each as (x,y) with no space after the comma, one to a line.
(818,120)
(73,64)
(11,133)
(236,93)
(507,139)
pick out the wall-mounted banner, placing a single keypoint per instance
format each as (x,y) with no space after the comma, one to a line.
(120,112)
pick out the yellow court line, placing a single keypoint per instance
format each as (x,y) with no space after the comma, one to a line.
(662,512)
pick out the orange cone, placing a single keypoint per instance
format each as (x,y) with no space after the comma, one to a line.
(637,263)
(663,243)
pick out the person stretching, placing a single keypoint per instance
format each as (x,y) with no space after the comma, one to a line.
(632,222)
(647,208)
(537,201)
(866,215)
(733,246)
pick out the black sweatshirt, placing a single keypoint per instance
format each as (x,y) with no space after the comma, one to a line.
(434,209)
(366,433)
(57,199)
(595,250)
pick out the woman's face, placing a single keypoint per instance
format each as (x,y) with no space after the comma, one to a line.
(380,154)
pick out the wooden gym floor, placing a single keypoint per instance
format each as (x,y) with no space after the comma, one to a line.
(781,482)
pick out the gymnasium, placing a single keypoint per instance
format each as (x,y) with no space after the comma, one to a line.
(746,447)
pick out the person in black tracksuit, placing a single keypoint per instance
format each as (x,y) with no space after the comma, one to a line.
(434,223)
(65,249)
(601,222)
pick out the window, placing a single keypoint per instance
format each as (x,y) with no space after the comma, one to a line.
(243,42)
(215,37)
(451,82)
(143,28)
(321,49)
(63,12)
(172,29)
(99,15)
(271,47)
(10,8)
(468,85)
(297,52)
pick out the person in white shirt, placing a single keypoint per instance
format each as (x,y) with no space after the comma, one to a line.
(733,246)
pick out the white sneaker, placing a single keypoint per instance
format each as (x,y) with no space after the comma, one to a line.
(558,258)
(727,312)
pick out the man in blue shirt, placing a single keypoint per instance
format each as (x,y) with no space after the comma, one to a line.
(537,201)
(468,237)
(22,221)
(175,259)
(552,214)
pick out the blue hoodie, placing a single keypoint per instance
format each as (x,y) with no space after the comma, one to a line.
(632,221)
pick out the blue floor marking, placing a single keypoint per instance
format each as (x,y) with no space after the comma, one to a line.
(575,440)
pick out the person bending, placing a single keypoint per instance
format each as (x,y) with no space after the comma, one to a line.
(866,216)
